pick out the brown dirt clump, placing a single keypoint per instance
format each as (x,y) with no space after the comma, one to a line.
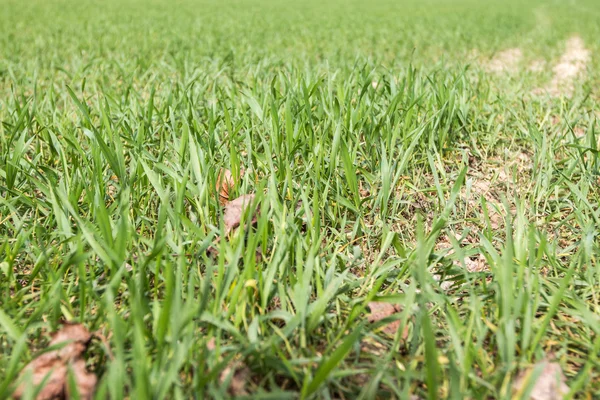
(234,211)
(381,311)
(51,369)
(549,385)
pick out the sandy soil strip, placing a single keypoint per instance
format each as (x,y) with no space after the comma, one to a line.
(506,61)
(537,66)
(572,64)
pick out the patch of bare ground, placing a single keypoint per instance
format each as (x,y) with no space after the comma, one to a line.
(492,181)
(571,133)
(489,181)
(52,370)
(381,311)
(572,65)
(536,66)
(234,377)
(550,384)
(505,61)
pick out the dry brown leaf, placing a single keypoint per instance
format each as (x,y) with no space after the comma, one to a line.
(550,385)
(225,183)
(55,364)
(237,385)
(380,311)
(234,210)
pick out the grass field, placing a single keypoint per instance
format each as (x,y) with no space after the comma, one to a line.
(426,174)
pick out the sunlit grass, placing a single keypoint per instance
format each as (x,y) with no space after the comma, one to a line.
(387,163)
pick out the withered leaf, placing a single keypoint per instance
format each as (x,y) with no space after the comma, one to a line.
(550,384)
(225,183)
(380,311)
(234,210)
(72,340)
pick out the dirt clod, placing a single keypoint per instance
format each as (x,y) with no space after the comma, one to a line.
(380,310)
(234,210)
(239,375)
(53,366)
(550,384)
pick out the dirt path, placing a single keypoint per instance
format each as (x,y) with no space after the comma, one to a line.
(506,61)
(572,64)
